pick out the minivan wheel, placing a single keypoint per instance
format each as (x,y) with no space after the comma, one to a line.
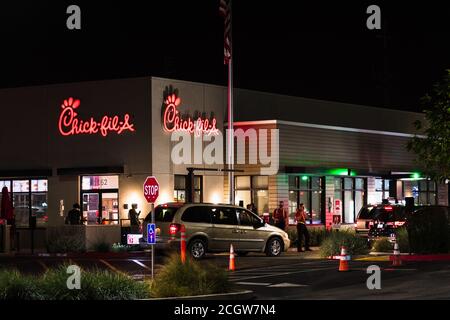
(274,247)
(197,248)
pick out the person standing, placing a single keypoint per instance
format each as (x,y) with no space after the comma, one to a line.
(302,230)
(133,215)
(281,217)
(74,215)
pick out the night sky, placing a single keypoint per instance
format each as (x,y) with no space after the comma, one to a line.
(321,50)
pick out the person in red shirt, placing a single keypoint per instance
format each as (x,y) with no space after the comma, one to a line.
(302,230)
(281,217)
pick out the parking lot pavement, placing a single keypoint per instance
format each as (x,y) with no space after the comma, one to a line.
(291,276)
(322,280)
(138,267)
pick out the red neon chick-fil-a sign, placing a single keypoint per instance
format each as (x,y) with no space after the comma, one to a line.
(174,122)
(69,124)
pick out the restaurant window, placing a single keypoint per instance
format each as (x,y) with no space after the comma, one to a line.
(253,189)
(351,191)
(29,197)
(310,192)
(423,191)
(100,199)
(381,190)
(180,186)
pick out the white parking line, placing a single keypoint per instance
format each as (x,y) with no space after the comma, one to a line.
(142,265)
(254,283)
(284,273)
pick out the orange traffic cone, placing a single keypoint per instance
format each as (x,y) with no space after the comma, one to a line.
(396,260)
(183,244)
(231,266)
(343,260)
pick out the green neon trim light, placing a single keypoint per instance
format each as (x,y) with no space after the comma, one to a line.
(305,178)
(415,175)
(338,172)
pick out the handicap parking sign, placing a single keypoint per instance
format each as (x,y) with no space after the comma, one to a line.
(151,233)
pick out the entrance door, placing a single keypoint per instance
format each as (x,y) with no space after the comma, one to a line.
(110,207)
(91,202)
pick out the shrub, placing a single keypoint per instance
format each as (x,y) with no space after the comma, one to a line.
(15,286)
(382,245)
(65,244)
(117,247)
(176,279)
(403,240)
(95,285)
(429,232)
(101,246)
(355,245)
(316,235)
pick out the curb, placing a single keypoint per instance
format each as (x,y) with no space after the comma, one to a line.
(242,295)
(418,258)
(83,255)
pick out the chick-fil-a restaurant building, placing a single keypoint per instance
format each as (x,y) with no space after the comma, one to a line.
(94,143)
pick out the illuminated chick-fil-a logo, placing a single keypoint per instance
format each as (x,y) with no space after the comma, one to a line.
(69,124)
(173,121)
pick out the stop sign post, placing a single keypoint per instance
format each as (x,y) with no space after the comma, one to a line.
(151,193)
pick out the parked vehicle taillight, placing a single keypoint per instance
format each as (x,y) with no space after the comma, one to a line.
(174,229)
(399,223)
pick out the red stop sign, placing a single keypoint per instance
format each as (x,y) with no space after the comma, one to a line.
(151,189)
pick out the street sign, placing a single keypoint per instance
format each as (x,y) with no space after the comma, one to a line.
(133,239)
(151,233)
(151,189)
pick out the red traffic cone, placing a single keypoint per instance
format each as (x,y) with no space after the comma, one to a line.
(231,266)
(396,259)
(183,244)
(343,260)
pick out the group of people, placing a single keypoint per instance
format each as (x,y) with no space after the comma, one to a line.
(74,216)
(281,220)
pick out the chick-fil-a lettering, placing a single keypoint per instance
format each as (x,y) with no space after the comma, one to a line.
(172,120)
(69,123)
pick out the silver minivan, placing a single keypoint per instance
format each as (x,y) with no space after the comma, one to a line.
(213,228)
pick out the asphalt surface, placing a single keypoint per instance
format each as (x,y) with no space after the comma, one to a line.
(293,279)
(289,277)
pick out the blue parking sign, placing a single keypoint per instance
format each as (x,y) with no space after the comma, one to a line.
(151,233)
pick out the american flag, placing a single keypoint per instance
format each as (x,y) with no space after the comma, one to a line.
(225,12)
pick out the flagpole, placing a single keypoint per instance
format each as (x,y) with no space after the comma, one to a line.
(230,116)
(230,132)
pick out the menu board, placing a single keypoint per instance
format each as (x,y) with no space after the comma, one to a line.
(5,183)
(39,185)
(21,185)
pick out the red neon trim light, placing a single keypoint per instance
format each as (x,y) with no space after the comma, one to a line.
(69,124)
(174,122)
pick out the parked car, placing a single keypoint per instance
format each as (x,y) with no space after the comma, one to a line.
(213,228)
(386,220)
(365,216)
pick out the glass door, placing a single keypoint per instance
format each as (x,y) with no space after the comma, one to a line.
(91,202)
(110,207)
